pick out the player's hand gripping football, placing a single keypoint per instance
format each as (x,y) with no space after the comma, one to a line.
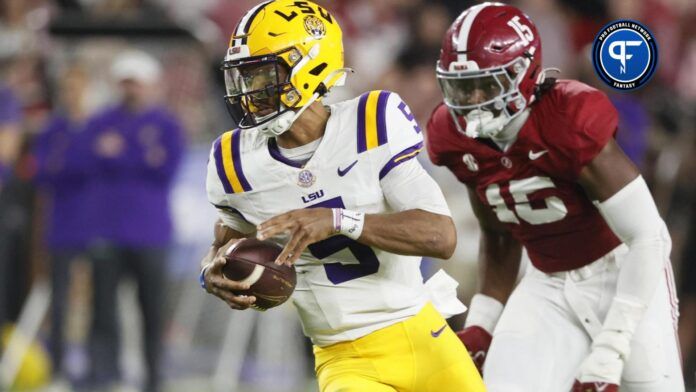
(477,341)
(217,284)
(304,226)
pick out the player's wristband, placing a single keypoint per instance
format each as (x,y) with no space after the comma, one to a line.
(201,278)
(484,311)
(347,222)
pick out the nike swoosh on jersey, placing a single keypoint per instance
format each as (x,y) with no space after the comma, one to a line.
(536,155)
(438,332)
(345,171)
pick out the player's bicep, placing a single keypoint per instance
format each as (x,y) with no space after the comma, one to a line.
(608,172)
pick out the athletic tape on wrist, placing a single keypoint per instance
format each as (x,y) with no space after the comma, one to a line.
(347,222)
(201,277)
(336,212)
(484,312)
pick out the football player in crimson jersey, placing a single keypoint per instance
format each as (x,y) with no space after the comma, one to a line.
(597,308)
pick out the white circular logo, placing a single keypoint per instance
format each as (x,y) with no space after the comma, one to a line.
(305,178)
(624,54)
(470,162)
(505,161)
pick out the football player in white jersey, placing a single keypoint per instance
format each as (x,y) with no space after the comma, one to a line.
(339,188)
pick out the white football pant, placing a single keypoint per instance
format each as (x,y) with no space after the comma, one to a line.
(540,340)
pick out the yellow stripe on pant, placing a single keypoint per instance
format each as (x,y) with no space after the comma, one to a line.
(421,354)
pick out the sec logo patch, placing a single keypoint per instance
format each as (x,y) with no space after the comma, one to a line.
(624,55)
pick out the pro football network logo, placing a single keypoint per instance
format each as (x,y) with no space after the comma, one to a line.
(624,54)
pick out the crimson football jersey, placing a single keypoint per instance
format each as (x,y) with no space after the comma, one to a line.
(532,187)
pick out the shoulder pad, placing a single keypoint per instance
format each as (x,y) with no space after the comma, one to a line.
(228,162)
(372,123)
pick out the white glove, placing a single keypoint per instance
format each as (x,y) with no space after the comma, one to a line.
(612,346)
(604,364)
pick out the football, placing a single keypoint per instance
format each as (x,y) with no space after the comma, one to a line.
(252,261)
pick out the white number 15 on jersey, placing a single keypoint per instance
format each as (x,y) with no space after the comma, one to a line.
(554,211)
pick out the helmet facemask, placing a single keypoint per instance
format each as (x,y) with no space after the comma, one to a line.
(486,100)
(258,89)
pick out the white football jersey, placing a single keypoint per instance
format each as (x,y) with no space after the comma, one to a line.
(345,289)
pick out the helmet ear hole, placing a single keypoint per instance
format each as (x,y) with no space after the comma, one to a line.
(316,71)
(321,89)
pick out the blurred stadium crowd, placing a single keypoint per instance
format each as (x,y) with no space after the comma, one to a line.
(107,111)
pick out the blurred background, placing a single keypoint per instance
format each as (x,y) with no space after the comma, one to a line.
(107,112)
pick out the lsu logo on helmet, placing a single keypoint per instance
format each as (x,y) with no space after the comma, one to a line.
(314,26)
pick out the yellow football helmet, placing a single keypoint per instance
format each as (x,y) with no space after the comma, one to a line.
(283,55)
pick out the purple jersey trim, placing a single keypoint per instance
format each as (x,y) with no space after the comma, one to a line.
(237,160)
(362,142)
(381,117)
(275,154)
(400,158)
(217,155)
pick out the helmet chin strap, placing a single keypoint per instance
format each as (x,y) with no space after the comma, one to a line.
(282,123)
(481,123)
(509,133)
(543,74)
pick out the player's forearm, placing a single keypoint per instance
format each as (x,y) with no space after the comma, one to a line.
(633,216)
(625,202)
(499,252)
(412,232)
(223,235)
(209,256)
(499,264)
